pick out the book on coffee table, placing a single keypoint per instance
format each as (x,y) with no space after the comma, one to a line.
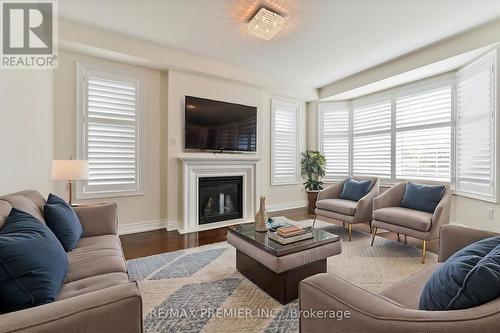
(292,239)
(289,231)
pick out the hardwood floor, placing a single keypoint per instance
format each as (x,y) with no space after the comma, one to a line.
(159,241)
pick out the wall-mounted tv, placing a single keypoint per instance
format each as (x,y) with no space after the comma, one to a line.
(219,126)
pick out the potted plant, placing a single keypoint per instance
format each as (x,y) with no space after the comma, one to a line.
(312,168)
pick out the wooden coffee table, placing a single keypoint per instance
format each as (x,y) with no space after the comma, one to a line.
(275,268)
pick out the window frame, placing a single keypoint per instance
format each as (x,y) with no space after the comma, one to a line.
(472,66)
(112,73)
(446,79)
(275,102)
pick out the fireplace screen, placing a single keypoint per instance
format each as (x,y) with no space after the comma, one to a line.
(220,199)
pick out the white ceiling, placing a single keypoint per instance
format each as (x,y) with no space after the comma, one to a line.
(323,41)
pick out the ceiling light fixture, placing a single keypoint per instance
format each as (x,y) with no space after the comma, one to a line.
(265,24)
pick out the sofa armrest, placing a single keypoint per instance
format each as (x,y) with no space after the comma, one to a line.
(390,198)
(331,304)
(453,238)
(364,208)
(114,309)
(98,219)
(332,191)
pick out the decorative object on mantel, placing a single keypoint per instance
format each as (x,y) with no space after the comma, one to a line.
(70,170)
(312,167)
(261,217)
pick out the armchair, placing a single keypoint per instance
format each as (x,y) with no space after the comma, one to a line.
(396,308)
(389,215)
(331,206)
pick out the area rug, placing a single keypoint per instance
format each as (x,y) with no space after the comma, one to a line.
(200,290)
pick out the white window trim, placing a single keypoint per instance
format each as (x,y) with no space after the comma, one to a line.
(274,103)
(81,69)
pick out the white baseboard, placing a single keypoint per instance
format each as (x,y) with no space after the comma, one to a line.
(175,224)
(286,206)
(132,228)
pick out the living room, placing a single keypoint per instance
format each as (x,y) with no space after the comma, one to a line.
(249,166)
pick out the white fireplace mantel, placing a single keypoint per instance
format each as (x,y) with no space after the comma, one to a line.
(194,168)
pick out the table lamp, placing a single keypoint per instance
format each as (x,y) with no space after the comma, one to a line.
(70,170)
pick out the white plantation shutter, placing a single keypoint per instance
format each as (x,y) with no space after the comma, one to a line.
(475,134)
(423,135)
(110,140)
(333,120)
(372,139)
(284,148)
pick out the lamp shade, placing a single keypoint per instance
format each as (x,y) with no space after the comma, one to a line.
(70,169)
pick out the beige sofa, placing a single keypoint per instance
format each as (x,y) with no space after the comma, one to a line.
(97,295)
(331,206)
(396,308)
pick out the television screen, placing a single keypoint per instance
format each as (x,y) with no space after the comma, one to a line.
(215,125)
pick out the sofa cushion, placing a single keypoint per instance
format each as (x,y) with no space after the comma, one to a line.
(63,222)
(32,263)
(468,278)
(95,256)
(422,197)
(94,283)
(346,207)
(407,292)
(26,204)
(5,208)
(405,217)
(354,190)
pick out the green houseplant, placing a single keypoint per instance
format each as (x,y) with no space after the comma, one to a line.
(312,166)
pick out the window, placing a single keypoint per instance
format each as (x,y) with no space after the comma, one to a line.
(371,132)
(109,132)
(284,138)
(475,133)
(333,120)
(423,135)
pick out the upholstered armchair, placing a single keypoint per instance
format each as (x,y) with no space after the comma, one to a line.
(395,309)
(389,215)
(330,205)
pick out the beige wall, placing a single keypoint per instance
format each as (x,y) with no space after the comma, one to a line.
(26,130)
(144,208)
(181,84)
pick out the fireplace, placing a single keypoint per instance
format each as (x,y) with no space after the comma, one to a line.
(220,199)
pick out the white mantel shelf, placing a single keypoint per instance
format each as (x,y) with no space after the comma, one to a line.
(196,167)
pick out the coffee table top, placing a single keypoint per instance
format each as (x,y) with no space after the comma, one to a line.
(263,242)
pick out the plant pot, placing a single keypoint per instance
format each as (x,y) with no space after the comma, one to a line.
(312,196)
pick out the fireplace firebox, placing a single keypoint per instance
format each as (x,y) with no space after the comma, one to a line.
(220,199)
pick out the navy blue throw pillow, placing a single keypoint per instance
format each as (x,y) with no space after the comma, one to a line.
(354,190)
(422,197)
(63,222)
(469,278)
(33,263)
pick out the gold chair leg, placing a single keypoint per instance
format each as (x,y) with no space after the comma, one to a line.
(350,231)
(373,235)
(406,240)
(314,222)
(423,251)
(399,239)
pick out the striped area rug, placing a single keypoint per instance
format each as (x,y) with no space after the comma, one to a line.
(199,289)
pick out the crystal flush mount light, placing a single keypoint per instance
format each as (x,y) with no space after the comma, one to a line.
(265,24)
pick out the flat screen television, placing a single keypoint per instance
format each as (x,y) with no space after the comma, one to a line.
(219,126)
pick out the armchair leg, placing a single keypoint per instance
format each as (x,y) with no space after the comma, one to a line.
(343,224)
(314,221)
(370,225)
(423,251)
(406,240)
(399,239)
(350,231)
(373,235)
